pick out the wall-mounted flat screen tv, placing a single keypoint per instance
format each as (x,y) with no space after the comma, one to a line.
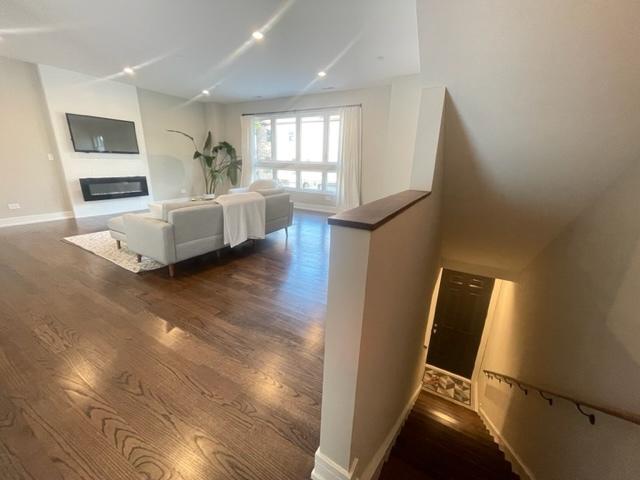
(102,135)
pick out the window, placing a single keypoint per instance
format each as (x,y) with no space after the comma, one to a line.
(311,139)
(287,178)
(312,181)
(286,139)
(263,174)
(302,154)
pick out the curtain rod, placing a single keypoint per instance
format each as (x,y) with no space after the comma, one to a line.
(303,110)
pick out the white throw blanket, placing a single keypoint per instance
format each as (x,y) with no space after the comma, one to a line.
(244,216)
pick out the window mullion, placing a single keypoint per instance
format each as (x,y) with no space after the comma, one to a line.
(274,153)
(298,152)
(325,138)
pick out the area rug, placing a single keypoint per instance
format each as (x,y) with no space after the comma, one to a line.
(102,245)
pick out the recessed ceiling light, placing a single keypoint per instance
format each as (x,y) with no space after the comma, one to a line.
(205,92)
(257,35)
(322,73)
(128,70)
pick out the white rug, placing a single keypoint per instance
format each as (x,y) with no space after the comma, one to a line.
(101,244)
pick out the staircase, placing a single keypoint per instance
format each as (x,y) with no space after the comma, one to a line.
(444,441)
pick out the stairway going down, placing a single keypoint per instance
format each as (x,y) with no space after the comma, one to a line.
(444,441)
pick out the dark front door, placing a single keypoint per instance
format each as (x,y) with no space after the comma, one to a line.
(463,301)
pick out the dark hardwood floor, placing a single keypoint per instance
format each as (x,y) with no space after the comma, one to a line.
(216,374)
(445,441)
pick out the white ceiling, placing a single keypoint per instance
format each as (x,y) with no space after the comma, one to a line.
(543,114)
(182,47)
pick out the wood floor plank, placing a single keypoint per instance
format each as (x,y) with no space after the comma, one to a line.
(216,374)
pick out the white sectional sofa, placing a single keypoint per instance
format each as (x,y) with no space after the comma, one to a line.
(189,229)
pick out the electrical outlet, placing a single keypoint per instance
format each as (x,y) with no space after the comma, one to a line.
(50,157)
(13,206)
(184,190)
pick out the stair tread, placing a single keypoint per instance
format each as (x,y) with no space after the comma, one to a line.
(445,441)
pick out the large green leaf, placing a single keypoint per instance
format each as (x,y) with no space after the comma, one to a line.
(218,162)
(233,170)
(182,133)
(207,144)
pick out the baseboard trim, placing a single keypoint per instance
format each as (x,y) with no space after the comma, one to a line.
(373,469)
(314,208)
(517,464)
(327,469)
(28,219)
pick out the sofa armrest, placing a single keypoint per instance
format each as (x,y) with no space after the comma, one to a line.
(150,237)
(239,190)
(277,207)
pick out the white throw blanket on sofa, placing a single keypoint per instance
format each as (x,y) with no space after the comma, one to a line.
(244,217)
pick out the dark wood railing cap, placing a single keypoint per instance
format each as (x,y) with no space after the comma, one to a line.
(374,214)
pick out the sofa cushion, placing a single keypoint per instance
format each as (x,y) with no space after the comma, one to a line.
(161,210)
(258,185)
(197,222)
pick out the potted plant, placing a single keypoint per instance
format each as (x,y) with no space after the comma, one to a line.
(219,162)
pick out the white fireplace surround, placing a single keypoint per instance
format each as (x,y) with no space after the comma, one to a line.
(72,92)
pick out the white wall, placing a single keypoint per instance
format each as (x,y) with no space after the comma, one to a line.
(215,122)
(380,286)
(570,324)
(27,175)
(376,183)
(429,128)
(71,92)
(174,173)
(404,107)
(543,114)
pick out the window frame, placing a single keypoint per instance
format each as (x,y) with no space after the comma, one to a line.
(325,166)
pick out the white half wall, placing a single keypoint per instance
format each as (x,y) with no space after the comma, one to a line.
(72,92)
(380,288)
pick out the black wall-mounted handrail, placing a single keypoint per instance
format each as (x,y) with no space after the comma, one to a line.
(548,395)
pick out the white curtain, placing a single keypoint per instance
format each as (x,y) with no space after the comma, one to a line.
(349,168)
(246,150)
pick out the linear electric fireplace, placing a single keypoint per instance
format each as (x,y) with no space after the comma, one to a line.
(105,188)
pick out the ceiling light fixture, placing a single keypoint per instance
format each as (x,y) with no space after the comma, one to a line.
(128,71)
(205,92)
(257,35)
(322,73)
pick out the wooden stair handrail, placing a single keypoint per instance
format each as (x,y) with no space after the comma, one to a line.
(549,395)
